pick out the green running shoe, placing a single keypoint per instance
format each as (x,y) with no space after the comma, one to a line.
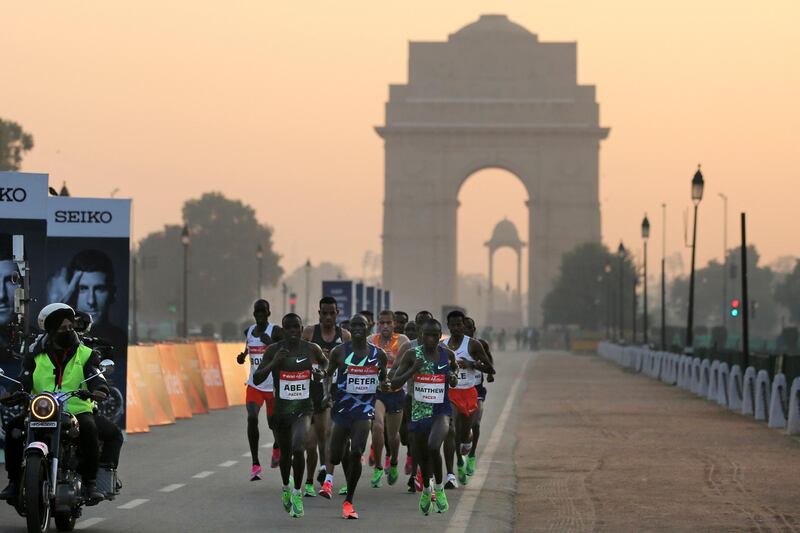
(392,475)
(343,490)
(471,465)
(297,506)
(441,502)
(377,476)
(462,475)
(286,500)
(425,503)
(309,491)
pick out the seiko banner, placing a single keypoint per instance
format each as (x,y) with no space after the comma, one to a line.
(345,294)
(88,258)
(23,212)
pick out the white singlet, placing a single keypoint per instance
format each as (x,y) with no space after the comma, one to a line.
(466,376)
(255,350)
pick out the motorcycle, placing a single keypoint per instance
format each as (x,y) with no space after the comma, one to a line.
(50,485)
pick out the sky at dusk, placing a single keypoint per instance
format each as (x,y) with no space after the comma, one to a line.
(274,103)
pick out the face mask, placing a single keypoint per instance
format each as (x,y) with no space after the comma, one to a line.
(66,339)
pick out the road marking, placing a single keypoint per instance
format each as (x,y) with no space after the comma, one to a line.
(89,522)
(172,488)
(203,475)
(267,445)
(463,511)
(228,464)
(246,454)
(133,504)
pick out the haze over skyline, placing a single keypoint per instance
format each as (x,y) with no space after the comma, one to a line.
(275,105)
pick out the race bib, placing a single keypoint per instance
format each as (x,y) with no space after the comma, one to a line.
(429,388)
(466,378)
(295,385)
(362,379)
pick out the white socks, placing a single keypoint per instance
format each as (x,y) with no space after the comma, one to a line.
(329,478)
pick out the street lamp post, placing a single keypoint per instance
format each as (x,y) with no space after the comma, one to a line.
(663,277)
(697,195)
(634,302)
(645,236)
(260,258)
(724,260)
(621,254)
(308,285)
(607,270)
(185,242)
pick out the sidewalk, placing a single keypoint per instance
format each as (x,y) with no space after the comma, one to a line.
(600,449)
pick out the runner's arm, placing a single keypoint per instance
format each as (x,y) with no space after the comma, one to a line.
(243,354)
(488,350)
(346,337)
(482,361)
(383,361)
(406,368)
(308,333)
(453,378)
(268,363)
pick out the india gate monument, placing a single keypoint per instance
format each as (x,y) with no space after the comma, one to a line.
(491,96)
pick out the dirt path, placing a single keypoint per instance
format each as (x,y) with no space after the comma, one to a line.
(601,449)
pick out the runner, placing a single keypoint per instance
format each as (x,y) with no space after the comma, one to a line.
(400,321)
(414,480)
(411,331)
(470,356)
(291,364)
(480,388)
(327,335)
(257,338)
(389,408)
(430,368)
(360,366)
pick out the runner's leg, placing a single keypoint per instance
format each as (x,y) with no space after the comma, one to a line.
(358,443)
(252,429)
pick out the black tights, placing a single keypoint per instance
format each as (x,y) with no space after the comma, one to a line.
(426,449)
(292,442)
(347,447)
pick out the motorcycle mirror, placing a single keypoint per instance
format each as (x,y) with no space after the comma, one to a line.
(107,366)
(3,375)
(2,372)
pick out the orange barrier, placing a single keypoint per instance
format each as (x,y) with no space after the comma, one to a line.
(135,418)
(208,357)
(192,378)
(173,379)
(234,375)
(150,384)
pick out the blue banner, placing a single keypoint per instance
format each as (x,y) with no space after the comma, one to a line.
(344,292)
(387,299)
(370,299)
(359,296)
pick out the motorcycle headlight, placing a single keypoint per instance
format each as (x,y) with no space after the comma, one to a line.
(43,407)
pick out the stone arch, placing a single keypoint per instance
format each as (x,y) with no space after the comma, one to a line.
(491,96)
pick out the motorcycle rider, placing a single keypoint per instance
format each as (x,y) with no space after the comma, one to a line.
(62,364)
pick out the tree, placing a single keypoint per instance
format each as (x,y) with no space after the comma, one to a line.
(14,142)
(585,294)
(223,269)
(787,293)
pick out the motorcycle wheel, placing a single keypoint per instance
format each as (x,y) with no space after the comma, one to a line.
(65,521)
(36,494)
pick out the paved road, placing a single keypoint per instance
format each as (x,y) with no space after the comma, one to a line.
(192,476)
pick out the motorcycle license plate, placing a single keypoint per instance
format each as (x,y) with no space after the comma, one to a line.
(43,424)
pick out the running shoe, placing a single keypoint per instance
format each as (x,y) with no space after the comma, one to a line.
(321,476)
(451,482)
(465,448)
(471,461)
(408,465)
(297,506)
(462,475)
(343,490)
(308,491)
(276,458)
(425,503)
(418,481)
(412,484)
(348,512)
(441,502)
(392,475)
(286,499)
(255,473)
(372,457)
(326,491)
(377,476)
(387,462)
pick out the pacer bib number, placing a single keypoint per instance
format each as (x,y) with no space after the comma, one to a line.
(295,385)
(429,388)
(362,379)
(466,378)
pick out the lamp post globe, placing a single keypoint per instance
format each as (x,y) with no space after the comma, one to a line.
(697,186)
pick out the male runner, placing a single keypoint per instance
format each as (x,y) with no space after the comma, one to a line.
(470,330)
(327,335)
(411,331)
(430,368)
(389,408)
(257,338)
(470,356)
(291,364)
(370,316)
(360,366)
(400,321)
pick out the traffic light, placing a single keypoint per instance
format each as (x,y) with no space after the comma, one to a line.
(292,301)
(735,307)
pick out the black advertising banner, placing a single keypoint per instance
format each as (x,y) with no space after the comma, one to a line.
(23,211)
(88,263)
(344,292)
